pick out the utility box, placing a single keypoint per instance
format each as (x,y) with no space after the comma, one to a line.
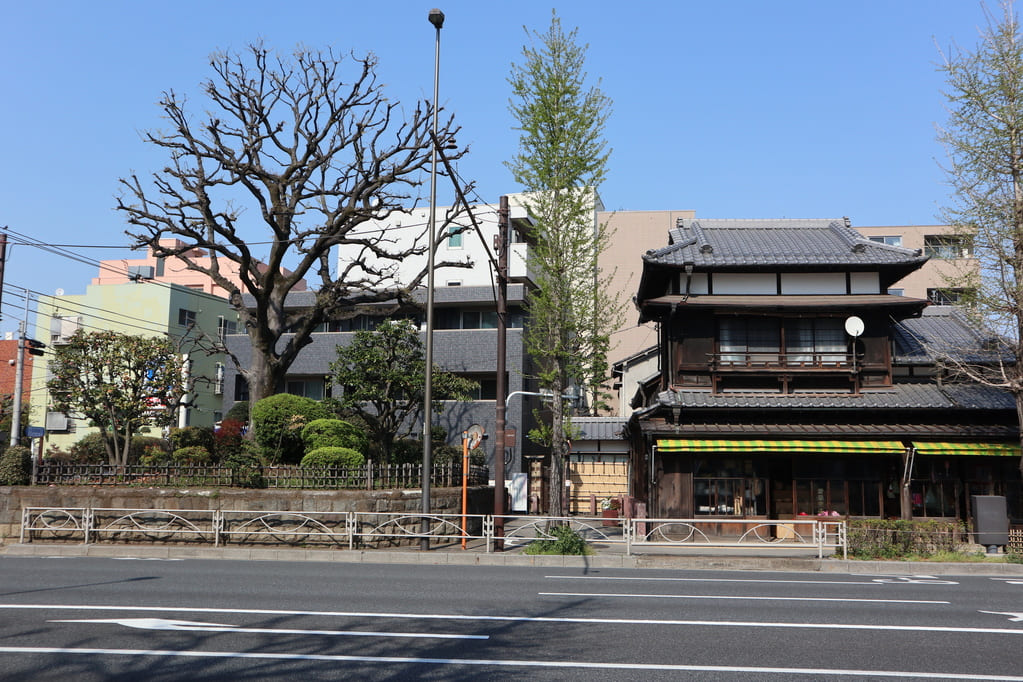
(990,521)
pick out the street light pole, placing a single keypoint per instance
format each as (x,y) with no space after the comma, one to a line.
(436,18)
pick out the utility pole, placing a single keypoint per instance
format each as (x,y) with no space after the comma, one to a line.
(19,380)
(3,261)
(503,229)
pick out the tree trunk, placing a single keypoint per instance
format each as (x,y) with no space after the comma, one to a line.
(558,448)
(263,375)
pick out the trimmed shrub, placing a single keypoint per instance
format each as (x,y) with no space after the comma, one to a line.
(193,436)
(192,455)
(324,433)
(147,446)
(16,466)
(156,457)
(278,423)
(333,457)
(238,412)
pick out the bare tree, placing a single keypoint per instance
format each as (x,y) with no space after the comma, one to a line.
(291,160)
(984,140)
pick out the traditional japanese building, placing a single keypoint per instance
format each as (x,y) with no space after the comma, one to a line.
(791,383)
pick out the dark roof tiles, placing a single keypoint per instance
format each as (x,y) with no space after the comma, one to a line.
(716,243)
(900,396)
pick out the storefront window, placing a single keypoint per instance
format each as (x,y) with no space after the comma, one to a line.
(730,496)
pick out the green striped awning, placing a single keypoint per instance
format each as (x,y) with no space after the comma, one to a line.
(824,446)
(986,449)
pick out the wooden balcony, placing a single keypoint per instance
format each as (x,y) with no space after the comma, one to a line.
(802,371)
(791,362)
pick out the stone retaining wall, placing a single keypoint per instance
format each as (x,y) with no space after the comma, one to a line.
(442,500)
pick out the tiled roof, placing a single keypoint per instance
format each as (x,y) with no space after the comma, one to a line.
(600,428)
(900,396)
(709,244)
(940,330)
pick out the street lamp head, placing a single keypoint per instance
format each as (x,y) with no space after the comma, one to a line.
(437,18)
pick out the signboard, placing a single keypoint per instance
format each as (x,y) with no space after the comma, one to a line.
(34,431)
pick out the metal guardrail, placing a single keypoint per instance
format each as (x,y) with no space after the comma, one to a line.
(375,530)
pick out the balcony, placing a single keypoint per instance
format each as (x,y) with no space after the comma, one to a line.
(520,267)
(771,361)
(777,372)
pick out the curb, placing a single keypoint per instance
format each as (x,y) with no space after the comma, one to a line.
(447,557)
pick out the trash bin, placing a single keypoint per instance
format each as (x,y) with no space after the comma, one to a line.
(990,521)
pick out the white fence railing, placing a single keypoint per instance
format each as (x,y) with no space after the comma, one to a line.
(380,530)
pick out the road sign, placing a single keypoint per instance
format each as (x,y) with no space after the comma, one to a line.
(35,431)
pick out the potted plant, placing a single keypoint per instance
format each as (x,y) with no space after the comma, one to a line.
(609,510)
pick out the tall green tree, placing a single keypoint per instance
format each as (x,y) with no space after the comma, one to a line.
(382,375)
(293,159)
(561,161)
(983,136)
(118,382)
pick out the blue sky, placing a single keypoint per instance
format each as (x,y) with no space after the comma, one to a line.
(739,109)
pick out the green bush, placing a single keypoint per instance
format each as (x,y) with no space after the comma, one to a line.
(16,466)
(565,541)
(192,455)
(407,451)
(239,412)
(156,457)
(143,447)
(897,539)
(278,423)
(246,467)
(325,433)
(88,450)
(446,454)
(193,436)
(333,457)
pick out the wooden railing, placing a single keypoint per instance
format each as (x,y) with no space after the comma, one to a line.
(790,361)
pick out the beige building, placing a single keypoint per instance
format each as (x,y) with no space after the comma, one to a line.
(951,258)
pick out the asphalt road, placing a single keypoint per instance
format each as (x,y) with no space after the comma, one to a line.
(77,619)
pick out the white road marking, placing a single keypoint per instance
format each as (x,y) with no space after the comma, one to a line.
(714,580)
(914,580)
(743,598)
(139,558)
(519,619)
(192,626)
(1013,617)
(512,663)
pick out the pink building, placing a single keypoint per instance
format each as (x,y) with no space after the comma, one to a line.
(170,270)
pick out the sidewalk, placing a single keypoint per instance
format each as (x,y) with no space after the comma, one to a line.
(607,556)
